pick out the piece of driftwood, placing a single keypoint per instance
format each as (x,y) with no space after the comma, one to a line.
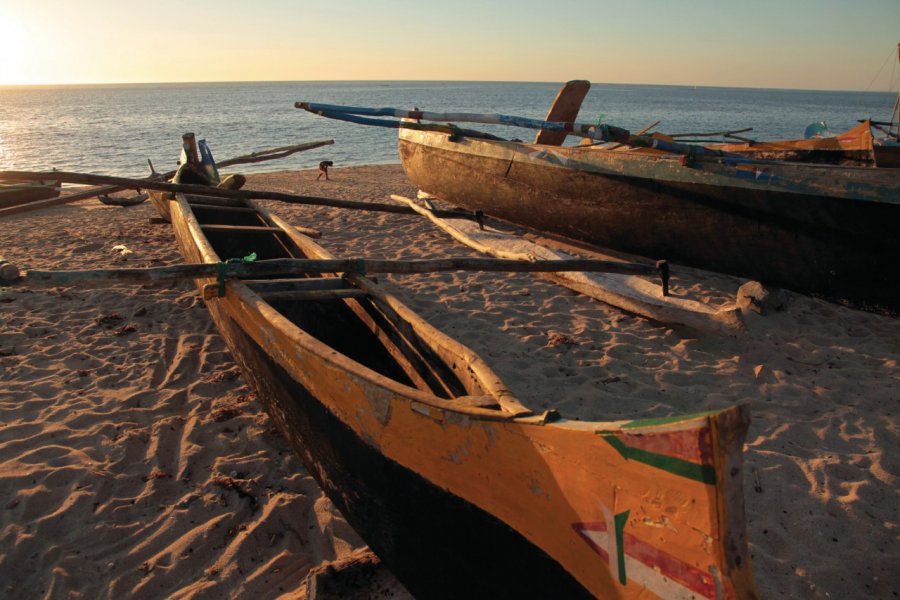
(628,292)
(284,266)
(202,190)
(264,155)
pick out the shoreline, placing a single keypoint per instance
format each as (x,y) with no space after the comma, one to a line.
(135,461)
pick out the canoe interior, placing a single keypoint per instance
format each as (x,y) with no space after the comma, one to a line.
(356,328)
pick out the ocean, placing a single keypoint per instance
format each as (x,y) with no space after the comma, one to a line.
(114,129)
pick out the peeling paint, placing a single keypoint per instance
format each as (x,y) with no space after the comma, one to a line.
(380,401)
(491,434)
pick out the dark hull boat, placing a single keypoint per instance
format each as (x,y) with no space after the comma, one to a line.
(461,490)
(820,229)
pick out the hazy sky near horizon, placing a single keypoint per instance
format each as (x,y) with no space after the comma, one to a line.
(807,44)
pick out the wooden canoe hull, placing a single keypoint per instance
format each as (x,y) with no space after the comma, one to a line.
(479,503)
(160,202)
(16,194)
(887,156)
(785,224)
(851,148)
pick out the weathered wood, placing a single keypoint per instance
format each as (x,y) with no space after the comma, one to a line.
(240,229)
(221,208)
(285,266)
(565,107)
(288,227)
(633,294)
(459,236)
(373,437)
(202,190)
(812,228)
(304,295)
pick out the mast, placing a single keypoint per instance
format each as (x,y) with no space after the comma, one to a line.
(893,129)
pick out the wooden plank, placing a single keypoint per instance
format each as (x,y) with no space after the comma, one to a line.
(213,228)
(210,290)
(565,107)
(221,208)
(630,293)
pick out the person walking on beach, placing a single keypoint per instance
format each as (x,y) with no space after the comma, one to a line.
(323,169)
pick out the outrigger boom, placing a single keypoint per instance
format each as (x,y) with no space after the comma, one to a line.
(596,132)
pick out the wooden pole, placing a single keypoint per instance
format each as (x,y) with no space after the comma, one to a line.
(255,157)
(201,190)
(600,132)
(273,154)
(289,266)
(711,133)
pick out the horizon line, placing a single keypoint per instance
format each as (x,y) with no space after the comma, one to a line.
(252,81)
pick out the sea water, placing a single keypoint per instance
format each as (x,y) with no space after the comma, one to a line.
(115,129)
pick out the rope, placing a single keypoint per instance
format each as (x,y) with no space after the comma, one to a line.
(222,270)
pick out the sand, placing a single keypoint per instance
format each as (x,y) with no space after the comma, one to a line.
(134,460)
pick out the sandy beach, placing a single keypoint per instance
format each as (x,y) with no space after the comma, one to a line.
(134,461)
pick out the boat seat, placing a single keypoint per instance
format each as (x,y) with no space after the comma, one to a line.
(314,295)
(202,205)
(240,229)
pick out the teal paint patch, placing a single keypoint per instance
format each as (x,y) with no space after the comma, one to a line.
(620,520)
(676,466)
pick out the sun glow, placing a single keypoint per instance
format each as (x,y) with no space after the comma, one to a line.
(13,41)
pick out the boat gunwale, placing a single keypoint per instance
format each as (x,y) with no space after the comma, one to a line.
(255,304)
(700,171)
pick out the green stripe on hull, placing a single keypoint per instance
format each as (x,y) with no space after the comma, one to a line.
(676,466)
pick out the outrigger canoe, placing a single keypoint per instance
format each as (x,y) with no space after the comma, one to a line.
(832,231)
(826,230)
(461,490)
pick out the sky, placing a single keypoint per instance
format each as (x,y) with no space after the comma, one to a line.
(801,44)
